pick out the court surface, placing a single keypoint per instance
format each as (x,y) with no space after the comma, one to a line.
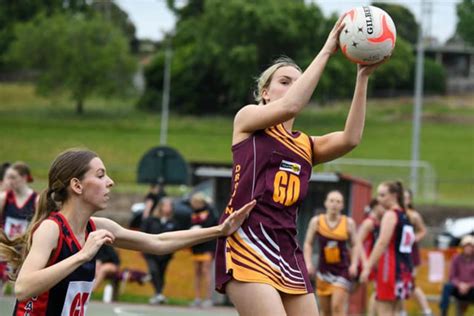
(122,309)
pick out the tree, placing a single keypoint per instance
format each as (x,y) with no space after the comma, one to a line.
(403,18)
(110,11)
(83,56)
(465,27)
(12,12)
(217,52)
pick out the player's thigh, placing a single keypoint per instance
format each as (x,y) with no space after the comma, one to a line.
(386,308)
(339,300)
(300,304)
(255,299)
(325,304)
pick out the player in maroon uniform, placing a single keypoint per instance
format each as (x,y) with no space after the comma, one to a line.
(57,254)
(335,233)
(392,252)
(261,266)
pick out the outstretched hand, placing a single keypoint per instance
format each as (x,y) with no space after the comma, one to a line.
(234,221)
(332,42)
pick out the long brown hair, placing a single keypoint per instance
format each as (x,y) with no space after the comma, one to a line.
(73,163)
(396,187)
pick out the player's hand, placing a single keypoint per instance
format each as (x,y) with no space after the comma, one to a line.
(235,220)
(94,241)
(332,42)
(463,288)
(353,270)
(367,70)
(364,276)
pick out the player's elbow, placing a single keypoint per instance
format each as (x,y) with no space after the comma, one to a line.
(20,291)
(352,141)
(292,106)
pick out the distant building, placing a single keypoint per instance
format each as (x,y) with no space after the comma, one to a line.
(457,59)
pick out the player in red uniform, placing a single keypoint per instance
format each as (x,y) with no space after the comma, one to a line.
(57,254)
(366,236)
(17,206)
(392,252)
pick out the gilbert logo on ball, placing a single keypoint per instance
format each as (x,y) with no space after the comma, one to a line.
(369,35)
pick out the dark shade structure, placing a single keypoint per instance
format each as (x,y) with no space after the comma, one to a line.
(163,165)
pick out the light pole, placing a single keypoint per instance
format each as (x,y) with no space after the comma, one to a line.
(166,93)
(415,148)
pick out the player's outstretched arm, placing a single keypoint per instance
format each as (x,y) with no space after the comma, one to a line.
(172,241)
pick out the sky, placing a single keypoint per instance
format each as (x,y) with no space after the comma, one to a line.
(152,17)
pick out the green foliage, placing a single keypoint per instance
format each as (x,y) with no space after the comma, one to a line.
(396,72)
(113,13)
(219,47)
(217,52)
(12,12)
(465,27)
(83,56)
(404,20)
(434,77)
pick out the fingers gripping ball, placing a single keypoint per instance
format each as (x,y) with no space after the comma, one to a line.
(369,35)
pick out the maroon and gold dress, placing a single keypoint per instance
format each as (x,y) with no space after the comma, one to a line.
(274,167)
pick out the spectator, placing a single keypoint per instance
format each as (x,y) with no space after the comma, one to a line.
(202,216)
(155,193)
(159,221)
(107,264)
(461,277)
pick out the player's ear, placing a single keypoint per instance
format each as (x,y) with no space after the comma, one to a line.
(76,186)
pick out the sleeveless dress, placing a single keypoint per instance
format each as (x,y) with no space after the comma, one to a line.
(334,258)
(274,167)
(71,295)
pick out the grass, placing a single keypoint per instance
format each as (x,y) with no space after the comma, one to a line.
(36,129)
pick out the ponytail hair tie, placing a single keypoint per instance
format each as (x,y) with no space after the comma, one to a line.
(58,185)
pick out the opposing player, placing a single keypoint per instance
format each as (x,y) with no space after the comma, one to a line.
(18,202)
(366,236)
(392,252)
(420,233)
(54,262)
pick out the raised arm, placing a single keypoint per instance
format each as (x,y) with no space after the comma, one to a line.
(334,145)
(308,244)
(253,117)
(172,241)
(387,228)
(35,278)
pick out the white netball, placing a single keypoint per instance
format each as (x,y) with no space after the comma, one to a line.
(369,35)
